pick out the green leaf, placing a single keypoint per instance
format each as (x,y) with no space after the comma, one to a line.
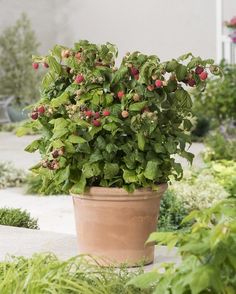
(33,146)
(138,106)
(62,99)
(110,127)
(54,65)
(110,170)
(79,187)
(184,98)
(181,72)
(145,280)
(141,141)
(185,56)
(76,139)
(119,74)
(171,65)
(90,170)
(130,176)
(151,170)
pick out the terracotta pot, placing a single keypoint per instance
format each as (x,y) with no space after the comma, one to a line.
(114,225)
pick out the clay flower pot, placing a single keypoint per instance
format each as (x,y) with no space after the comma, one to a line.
(114,225)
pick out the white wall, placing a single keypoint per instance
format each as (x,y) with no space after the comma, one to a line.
(167,28)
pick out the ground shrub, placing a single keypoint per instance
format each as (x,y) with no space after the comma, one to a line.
(46,274)
(17,218)
(10,176)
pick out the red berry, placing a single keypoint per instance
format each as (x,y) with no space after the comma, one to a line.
(41,109)
(158,83)
(191,82)
(199,70)
(79,79)
(150,87)
(106,112)
(45,64)
(203,75)
(35,65)
(120,94)
(96,123)
(96,115)
(88,113)
(34,115)
(136,77)
(134,71)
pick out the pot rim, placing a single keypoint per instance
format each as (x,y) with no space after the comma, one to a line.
(119,194)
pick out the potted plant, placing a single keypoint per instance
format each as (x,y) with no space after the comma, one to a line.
(109,136)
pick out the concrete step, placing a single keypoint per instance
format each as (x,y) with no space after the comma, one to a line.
(26,242)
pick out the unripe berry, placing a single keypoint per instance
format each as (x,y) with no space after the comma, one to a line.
(79,79)
(124,113)
(106,112)
(136,77)
(199,70)
(96,123)
(158,84)
(120,94)
(203,75)
(136,97)
(78,55)
(150,87)
(65,53)
(34,115)
(35,65)
(61,151)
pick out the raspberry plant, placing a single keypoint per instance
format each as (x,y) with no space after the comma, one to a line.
(113,127)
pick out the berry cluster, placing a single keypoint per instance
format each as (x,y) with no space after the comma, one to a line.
(39,111)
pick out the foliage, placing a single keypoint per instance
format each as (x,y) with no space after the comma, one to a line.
(201,128)
(199,189)
(218,100)
(172,212)
(224,172)
(10,176)
(17,218)
(79,275)
(208,255)
(17,44)
(221,144)
(103,126)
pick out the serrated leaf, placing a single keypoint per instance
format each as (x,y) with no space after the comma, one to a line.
(145,280)
(130,176)
(151,170)
(138,106)
(33,146)
(76,139)
(110,170)
(181,72)
(62,99)
(79,187)
(54,65)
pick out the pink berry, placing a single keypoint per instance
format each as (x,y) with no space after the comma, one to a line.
(41,109)
(203,75)
(79,79)
(134,71)
(35,65)
(88,113)
(120,94)
(96,115)
(34,115)
(106,112)
(199,70)
(158,83)
(45,65)
(96,123)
